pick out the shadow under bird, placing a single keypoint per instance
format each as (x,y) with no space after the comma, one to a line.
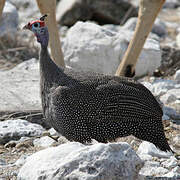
(83,105)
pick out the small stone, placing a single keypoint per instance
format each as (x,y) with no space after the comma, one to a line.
(161,86)
(150,149)
(152,163)
(22,139)
(44,141)
(53,132)
(45,133)
(24,144)
(159,28)
(169,111)
(149,170)
(168,98)
(165,117)
(10,144)
(15,129)
(170,163)
(62,140)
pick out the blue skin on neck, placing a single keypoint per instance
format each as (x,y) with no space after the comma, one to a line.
(42,35)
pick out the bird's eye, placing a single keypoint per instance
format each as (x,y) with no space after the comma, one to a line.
(36,25)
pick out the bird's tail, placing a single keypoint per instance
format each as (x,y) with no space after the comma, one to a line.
(153,131)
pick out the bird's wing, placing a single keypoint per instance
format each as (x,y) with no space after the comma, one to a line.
(126,100)
(112,99)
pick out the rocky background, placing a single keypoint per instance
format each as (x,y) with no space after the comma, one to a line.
(94,35)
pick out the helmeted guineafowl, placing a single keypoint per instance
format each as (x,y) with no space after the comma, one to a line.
(83,106)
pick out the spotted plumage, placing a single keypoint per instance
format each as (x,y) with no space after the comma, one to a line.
(83,106)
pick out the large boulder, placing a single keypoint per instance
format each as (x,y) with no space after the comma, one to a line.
(82,162)
(102,11)
(90,47)
(20,88)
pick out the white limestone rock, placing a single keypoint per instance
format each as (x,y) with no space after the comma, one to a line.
(90,47)
(150,149)
(15,129)
(53,132)
(44,141)
(8,20)
(82,162)
(20,88)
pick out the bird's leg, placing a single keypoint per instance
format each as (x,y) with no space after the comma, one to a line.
(2,2)
(49,7)
(148,11)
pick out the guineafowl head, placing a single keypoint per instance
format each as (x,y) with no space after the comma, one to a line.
(40,30)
